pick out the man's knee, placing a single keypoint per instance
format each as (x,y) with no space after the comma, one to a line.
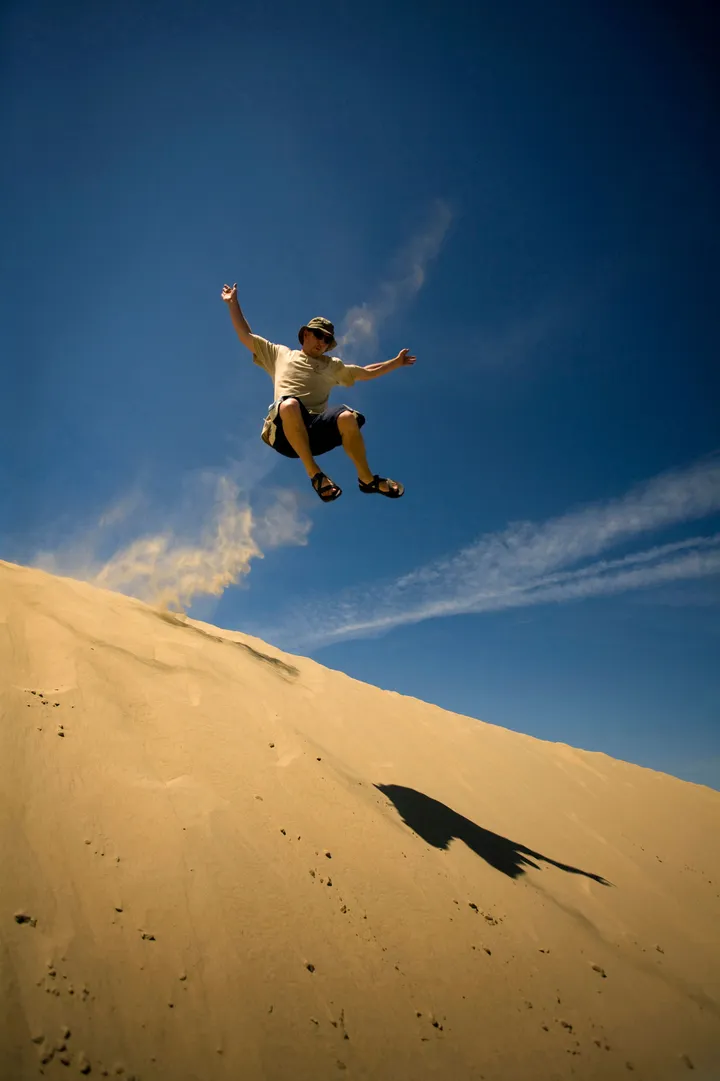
(289,407)
(347,421)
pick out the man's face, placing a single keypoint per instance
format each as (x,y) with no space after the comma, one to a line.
(315,342)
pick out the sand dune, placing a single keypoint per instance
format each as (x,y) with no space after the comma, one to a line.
(220,861)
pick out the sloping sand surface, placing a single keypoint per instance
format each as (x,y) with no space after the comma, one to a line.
(220,861)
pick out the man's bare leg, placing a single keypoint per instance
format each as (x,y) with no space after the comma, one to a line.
(354,446)
(297,435)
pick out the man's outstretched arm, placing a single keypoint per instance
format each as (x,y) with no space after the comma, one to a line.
(242,327)
(372,371)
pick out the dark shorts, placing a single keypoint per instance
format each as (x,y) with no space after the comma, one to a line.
(322,429)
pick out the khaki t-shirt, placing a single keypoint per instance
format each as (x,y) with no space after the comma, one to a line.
(309,379)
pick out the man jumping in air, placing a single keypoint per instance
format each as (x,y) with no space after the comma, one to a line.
(300,424)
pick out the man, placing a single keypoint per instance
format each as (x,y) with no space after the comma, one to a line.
(300,424)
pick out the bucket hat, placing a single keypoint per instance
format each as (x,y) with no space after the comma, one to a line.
(318,323)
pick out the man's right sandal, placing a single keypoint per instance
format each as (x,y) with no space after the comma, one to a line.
(325,488)
(394,488)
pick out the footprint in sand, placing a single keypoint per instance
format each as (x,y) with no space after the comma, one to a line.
(24,917)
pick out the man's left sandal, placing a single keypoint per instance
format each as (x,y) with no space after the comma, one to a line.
(393,491)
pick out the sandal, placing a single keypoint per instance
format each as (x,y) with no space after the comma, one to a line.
(325,488)
(393,492)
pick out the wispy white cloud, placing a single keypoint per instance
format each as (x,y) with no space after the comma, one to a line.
(407,277)
(530,563)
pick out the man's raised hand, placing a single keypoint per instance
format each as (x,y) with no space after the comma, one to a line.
(229,293)
(404,358)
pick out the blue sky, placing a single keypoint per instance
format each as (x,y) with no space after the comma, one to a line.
(523,195)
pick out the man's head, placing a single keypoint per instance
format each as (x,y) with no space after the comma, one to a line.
(317,336)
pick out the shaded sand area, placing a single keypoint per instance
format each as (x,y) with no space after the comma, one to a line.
(220,861)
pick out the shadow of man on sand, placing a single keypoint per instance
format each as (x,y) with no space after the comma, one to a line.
(438,825)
